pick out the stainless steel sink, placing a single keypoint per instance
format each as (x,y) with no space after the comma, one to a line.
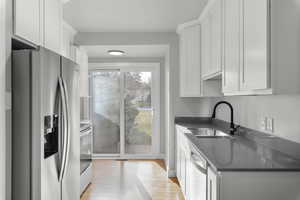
(208,133)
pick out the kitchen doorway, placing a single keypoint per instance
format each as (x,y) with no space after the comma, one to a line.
(125,101)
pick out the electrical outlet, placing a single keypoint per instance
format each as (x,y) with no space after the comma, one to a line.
(270,124)
(263,123)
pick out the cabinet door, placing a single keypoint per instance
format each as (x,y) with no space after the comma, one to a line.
(183,63)
(254,73)
(182,171)
(84,75)
(232,16)
(66,43)
(216,37)
(212,185)
(194,69)
(177,153)
(178,164)
(205,46)
(190,69)
(53,25)
(27,20)
(187,176)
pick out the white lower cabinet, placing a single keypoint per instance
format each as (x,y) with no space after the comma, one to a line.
(178,155)
(183,162)
(182,170)
(212,185)
(200,181)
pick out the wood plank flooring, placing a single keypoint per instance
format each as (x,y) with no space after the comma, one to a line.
(131,180)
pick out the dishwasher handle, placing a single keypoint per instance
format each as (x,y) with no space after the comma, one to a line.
(199,163)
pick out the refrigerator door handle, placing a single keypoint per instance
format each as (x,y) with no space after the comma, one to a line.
(65,128)
(67,141)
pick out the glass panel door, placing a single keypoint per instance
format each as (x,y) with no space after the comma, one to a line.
(106,111)
(126,111)
(138,112)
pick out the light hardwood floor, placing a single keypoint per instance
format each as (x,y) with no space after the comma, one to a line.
(131,180)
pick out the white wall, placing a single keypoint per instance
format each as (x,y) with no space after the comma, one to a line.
(2,101)
(285,109)
(174,105)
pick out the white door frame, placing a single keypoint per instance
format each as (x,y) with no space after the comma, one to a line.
(131,67)
(2,100)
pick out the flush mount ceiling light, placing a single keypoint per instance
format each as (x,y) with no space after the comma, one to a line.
(116,52)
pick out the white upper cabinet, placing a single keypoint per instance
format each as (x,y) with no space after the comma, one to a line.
(211,40)
(53,25)
(246,70)
(216,37)
(196,59)
(254,73)
(206,46)
(27,20)
(235,44)
(39,22)
(81,58)
(84,76)
(232,41)
(67,48)
(190,66)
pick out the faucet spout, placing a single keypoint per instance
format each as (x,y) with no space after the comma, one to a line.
(232,126)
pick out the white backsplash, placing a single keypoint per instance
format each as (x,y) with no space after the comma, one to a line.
(249,110)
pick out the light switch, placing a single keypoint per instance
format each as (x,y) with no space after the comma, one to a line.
(263,123)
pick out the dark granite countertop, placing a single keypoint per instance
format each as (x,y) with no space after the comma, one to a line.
(248,150)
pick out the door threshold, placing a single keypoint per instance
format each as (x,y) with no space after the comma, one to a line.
(129,157)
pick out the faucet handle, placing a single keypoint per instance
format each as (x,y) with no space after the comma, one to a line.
(234,129)
(237,129)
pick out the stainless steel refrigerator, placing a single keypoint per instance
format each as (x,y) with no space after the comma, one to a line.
(46,133)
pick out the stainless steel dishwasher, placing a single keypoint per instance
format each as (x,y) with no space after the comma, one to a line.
(198,177)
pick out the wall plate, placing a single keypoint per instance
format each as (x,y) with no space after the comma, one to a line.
(270,124)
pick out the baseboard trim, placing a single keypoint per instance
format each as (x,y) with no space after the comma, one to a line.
(131,157)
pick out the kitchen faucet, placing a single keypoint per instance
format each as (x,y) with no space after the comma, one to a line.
(232,126)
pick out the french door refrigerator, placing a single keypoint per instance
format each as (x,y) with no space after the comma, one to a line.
(46,134)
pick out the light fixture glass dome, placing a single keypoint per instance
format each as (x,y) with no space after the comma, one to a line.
(116,52)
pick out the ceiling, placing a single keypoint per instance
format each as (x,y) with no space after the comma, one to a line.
(131,15)
(131,51)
